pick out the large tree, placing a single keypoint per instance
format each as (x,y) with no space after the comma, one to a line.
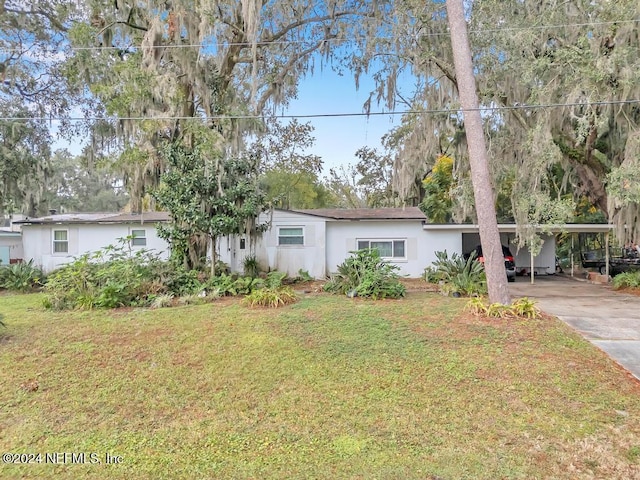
(24,162)
(207,202)
(220,62)
(290,174)
(201,74)
(558,84)
(32,90)
(75,185)
(578,62)
(482,186)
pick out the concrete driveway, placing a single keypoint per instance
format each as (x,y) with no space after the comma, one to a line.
(608,319)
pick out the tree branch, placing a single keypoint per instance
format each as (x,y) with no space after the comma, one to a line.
(55,22)
(123,22)
(292,26)
(264,98)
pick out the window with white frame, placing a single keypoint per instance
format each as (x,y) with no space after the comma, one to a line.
(394,249)
(60,241)
(290,236)
(138,238)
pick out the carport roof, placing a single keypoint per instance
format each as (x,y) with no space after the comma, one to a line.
(511,227)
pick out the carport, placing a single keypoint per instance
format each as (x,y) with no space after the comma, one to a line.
(550,232)
(545,261)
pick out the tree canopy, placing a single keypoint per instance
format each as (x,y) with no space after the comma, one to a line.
(557,82)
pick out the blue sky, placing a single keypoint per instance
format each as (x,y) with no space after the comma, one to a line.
(338,138)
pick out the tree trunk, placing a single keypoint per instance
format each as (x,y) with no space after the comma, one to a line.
(212,241)
(478,158)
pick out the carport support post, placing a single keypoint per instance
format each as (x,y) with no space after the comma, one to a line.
(533,270)
(571,254)
(606,255)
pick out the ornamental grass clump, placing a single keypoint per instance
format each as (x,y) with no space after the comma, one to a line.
(627,280)
(520,308)
(366,274)
(273,294)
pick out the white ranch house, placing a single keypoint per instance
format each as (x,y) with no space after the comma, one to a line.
(315,241)
(55,240)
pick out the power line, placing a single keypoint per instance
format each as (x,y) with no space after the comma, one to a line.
(331,39)
(334,115)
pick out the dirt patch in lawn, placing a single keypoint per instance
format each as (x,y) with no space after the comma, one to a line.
(418,285)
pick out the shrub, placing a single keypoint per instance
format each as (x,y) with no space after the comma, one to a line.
(525,307)
(179,281)
(303,276)
(162,301)
(271,297)
(275,279)
(627,280)
(233,285)
(457,274)
(111,277)
(21,277)
(431,275)
(365,274)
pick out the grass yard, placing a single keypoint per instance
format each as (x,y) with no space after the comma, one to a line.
(328,388)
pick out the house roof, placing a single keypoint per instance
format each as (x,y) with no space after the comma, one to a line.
(512,227)
(67,218)
(407,213)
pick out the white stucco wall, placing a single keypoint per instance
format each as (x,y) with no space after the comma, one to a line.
(441,240)
(37,241)
(544,262)
(343,236)
(309,257)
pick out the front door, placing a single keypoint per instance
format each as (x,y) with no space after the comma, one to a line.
(4,256)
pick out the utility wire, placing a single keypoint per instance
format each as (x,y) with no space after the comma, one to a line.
(335,115)
(330,39)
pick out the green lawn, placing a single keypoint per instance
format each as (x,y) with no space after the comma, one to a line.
(328,388)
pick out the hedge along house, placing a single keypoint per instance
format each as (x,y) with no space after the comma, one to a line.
(55,240)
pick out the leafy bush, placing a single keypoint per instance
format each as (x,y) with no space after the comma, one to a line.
(431,275)
(365,274)
(21,277)
(179,281)
(275,279)
(231,285)
(457,274)
(627,280)
(111,277)
(303,276)
(271,297)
